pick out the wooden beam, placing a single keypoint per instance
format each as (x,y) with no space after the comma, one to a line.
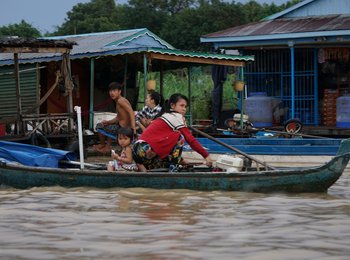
(211,61)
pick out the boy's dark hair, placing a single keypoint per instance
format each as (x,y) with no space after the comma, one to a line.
(115,85)
(127,131)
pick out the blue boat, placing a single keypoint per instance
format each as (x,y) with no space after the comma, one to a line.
(274,146)
(309,179)
(298,152)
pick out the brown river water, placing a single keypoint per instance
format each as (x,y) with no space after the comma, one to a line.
(86,223)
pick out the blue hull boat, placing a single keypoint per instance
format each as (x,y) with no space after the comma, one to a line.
(274,146)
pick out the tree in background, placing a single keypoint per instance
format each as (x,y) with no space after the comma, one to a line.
(184,29)
(151,14)
(179,22)
(95,16)
(22,29)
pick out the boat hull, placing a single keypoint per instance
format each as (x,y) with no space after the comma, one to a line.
(317,179)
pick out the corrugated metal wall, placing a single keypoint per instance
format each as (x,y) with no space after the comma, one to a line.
(271,73)
(28,88)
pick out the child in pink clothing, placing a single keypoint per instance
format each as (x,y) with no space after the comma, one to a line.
(125,160)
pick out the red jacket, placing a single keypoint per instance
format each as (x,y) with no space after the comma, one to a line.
(160,136)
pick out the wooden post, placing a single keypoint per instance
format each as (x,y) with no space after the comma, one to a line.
(144,78)
(92,87)
(19,122)
(125,75)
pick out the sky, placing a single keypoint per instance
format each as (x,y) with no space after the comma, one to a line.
(46,15)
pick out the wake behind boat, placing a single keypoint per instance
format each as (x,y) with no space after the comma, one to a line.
(315,179)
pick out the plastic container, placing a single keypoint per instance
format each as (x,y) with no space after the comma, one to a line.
(227,162)
(343,111)
(100,116)
(110,166)
(259,108)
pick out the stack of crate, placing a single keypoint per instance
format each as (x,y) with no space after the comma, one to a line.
(329,107)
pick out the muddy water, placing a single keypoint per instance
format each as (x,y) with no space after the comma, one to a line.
(59,223)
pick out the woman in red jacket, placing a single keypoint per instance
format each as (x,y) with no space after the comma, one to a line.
(160,145)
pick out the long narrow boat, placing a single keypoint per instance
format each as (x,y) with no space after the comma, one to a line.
(314,179)
(298,152)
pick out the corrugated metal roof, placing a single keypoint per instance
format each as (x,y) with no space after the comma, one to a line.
(283,26)
(116,43)
(99,42)
(96,44)
(310,22)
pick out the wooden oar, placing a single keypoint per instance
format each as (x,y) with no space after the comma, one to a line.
(231,148)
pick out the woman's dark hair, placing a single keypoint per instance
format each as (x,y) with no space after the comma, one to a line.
(174,98)
(158,98)
(127,131)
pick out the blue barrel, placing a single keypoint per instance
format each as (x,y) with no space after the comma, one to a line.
(343,111)
(259,108)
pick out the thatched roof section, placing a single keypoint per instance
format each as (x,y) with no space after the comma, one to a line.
(33,45)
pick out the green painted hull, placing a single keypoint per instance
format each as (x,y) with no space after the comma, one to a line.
(317,179)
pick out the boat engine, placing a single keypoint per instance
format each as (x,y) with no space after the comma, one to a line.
(234,124)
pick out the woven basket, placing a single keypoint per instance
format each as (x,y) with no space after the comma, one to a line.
(239,85)
(151,84)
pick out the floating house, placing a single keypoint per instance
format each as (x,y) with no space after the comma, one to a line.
(301,58)
(96,59)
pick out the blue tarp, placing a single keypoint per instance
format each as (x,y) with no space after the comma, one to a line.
(32,155)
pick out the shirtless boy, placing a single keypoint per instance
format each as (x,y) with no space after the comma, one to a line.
(125,118)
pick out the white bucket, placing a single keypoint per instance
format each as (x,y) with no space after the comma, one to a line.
(227,162)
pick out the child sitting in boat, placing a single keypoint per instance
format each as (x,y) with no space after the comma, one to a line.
(125,160)
(152,109)
(160,145)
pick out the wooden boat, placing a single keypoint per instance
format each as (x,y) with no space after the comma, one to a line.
(315,179)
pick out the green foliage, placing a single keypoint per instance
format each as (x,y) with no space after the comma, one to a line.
(169,7)
(95,16)
(192,23)
(142,17)
(179,22)
(176,81)
(22,29)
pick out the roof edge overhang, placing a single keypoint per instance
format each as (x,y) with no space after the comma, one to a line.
(199,57)
(340,33)
(317,39)
(153,53)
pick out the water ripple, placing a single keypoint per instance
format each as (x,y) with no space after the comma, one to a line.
(51,223)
